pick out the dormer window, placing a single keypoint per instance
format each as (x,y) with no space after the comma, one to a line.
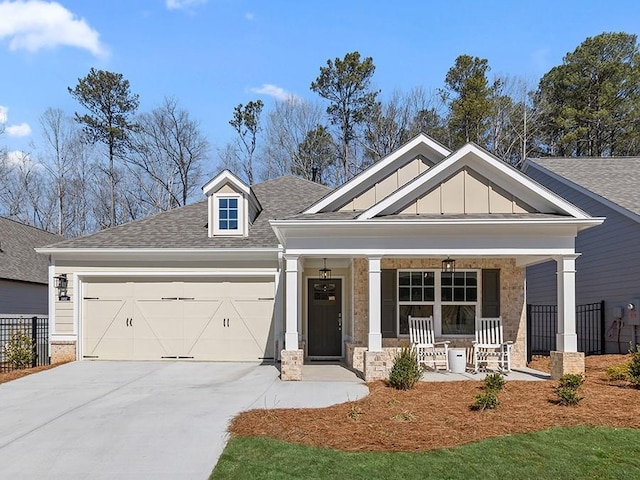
(228,214)
(232,205)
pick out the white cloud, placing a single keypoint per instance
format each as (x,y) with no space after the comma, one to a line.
(274,91)
(183,4)
(4,114)
(20,130)
(18,158)
(32,25)
(249,16)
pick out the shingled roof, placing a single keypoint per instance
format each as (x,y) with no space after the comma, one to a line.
(614,178)
(18,259)
(186,227)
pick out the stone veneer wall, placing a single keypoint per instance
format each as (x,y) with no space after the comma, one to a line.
(566,362)
(63,351)
(291,364)
(512,305)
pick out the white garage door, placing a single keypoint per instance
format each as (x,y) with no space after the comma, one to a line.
(225,319)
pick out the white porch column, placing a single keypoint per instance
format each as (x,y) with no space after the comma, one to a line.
(375,331)
(566,338)
(291,309)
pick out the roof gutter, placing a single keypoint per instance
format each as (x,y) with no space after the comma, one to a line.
(586,222)
(164,253)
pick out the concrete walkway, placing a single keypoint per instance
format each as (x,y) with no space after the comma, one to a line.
(139,420)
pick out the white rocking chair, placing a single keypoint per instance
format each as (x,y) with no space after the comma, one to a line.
(430,353)
(489,346)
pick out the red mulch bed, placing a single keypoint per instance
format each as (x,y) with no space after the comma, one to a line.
(437,415)
(15,374)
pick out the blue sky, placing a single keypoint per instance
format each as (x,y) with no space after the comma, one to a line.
(213,54)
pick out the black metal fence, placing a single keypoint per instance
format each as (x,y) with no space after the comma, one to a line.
(37,328)
(542,326)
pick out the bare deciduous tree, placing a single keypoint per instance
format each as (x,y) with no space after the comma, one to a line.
(61,140)
(168,154)
(286,127)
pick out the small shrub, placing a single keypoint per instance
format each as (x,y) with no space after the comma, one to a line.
(405,372)
(486,400)
(618,372)
(18,351)
(634,369)
(494,382)
(568,396)
(571,381)
(404,417)
(567,389)
(634,347)
(354,413)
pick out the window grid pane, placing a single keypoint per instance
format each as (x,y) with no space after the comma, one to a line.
(228,213)
(459,287)
(456,290)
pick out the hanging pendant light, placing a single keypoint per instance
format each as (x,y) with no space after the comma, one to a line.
(324,272)
(448,265)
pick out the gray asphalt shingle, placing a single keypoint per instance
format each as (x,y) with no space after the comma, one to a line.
(615,178)
(18,259)
(186,227)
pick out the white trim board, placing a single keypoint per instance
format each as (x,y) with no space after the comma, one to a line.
(486,164)
(341,194)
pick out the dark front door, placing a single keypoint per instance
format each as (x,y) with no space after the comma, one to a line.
(325,318)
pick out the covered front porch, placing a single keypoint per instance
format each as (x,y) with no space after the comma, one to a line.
(394,224)
(362,308)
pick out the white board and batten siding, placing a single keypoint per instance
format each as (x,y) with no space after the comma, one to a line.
(608,268)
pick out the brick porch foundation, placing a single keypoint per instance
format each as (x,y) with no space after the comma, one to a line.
(566,362)
(291,364)
(63,351)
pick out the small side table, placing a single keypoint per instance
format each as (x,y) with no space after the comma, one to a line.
(457,360)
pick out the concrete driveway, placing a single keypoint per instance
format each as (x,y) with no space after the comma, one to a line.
(138,420)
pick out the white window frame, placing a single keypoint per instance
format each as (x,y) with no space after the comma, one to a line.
(405,302)
(437,303)
(216,214)
(438,324)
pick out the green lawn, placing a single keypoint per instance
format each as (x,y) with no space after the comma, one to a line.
(559,453)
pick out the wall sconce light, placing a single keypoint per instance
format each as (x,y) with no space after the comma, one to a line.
(324,272)
(61,284)
(448,265)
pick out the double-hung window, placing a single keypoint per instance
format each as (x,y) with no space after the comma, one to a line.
(459,298)
(228,215)
(451,298)
(416,296)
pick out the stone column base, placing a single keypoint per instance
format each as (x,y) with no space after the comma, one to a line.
(63,351)
(291,364)
(377,365)
(566,362)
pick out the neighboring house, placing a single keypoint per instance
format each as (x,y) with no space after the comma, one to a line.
(609,266)
(239,276)
(23,272)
